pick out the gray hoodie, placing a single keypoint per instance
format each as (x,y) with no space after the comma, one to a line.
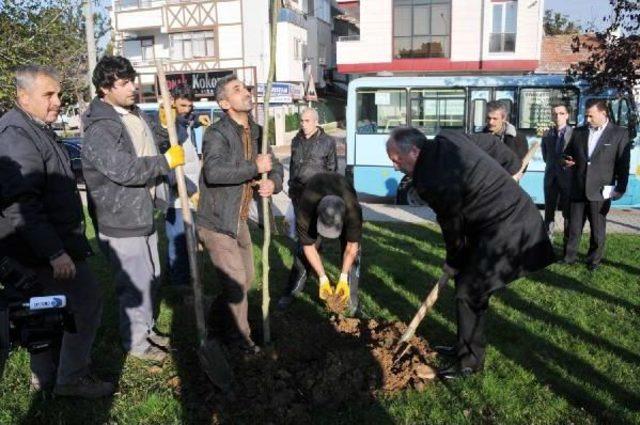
(117,179)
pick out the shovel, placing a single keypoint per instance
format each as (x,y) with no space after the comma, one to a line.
(212,358)
(427,305)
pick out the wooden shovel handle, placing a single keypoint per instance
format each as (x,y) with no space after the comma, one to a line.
(426,306)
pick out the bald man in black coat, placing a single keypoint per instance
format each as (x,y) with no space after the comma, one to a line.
(493,232)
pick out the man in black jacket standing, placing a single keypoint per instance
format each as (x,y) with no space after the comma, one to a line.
(232,164)
(556,175)
(493,232)
(599,154)
(42,227)
(124,173)
(312,152)
(498,125)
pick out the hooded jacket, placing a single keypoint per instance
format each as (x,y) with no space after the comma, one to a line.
(117,179)
(224,173)
(41,213)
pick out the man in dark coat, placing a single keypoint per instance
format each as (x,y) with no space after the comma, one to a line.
(556,175)
(233,162)
(125,173)
(498,124)
(312,152)
(42,227)
(492,230)
(497,150)
(599,154)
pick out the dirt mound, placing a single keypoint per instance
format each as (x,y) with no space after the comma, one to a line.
(321,363)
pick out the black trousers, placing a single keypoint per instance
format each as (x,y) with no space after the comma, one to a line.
(596,213)
(301,270)
(557,197)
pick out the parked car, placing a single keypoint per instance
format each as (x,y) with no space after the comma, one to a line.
(73,145)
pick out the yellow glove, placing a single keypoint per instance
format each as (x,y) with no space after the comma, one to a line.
(195,199)
(204,120)
(342,289)
(174,156)
(325,288)
(162,116)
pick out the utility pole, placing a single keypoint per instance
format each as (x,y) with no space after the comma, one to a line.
(91,43)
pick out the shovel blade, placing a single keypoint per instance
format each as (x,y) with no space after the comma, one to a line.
(214,364)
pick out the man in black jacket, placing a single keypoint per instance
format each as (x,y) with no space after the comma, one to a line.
(556,175)
(312,152)
(498,124)
(124,175)
(328,209)
(232,164)
(42,227)
(599,154)
(493,232)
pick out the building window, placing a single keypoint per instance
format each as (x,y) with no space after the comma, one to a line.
(139,49)
(421,28)
(191,45)
(503,28)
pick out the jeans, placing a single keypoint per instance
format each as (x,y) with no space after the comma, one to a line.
(177,254)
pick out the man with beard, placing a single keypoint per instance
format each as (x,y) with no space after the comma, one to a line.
(232,164)
(124,174)
(492,230)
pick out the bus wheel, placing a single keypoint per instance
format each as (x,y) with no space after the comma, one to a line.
(407,194)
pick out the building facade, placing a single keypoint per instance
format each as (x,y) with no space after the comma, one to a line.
(417,37)
(202,40)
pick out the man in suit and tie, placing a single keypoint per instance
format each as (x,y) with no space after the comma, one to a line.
(599,154)
(556,175)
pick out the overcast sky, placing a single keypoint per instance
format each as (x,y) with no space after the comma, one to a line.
(588,12)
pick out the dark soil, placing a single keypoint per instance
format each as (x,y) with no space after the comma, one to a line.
(316,365)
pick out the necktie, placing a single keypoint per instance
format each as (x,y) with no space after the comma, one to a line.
(560,142)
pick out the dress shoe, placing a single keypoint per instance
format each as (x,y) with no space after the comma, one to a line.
(592,267)
(446,350)
(455,371)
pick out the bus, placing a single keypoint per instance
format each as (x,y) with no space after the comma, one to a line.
(376,105)
(208,108)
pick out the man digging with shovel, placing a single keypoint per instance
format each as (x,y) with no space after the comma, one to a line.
(492,230)
(328,208)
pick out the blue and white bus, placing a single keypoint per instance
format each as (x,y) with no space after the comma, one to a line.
(376,105)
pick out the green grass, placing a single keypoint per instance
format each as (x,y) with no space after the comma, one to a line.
(564,345)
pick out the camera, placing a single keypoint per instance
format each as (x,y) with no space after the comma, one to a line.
(28,319)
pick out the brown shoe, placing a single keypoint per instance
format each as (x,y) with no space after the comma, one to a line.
(85,387)
(151,353)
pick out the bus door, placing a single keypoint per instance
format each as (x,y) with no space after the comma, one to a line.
(622,112)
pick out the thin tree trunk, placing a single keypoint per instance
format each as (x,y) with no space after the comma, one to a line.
(266,328)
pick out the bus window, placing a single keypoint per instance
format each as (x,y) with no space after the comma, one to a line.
(433,109)
(380,111)
(534,107)
(479,112)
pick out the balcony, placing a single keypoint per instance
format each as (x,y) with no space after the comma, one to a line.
(292,16)
(168,15)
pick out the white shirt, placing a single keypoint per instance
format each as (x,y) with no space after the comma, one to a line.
(594,136)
